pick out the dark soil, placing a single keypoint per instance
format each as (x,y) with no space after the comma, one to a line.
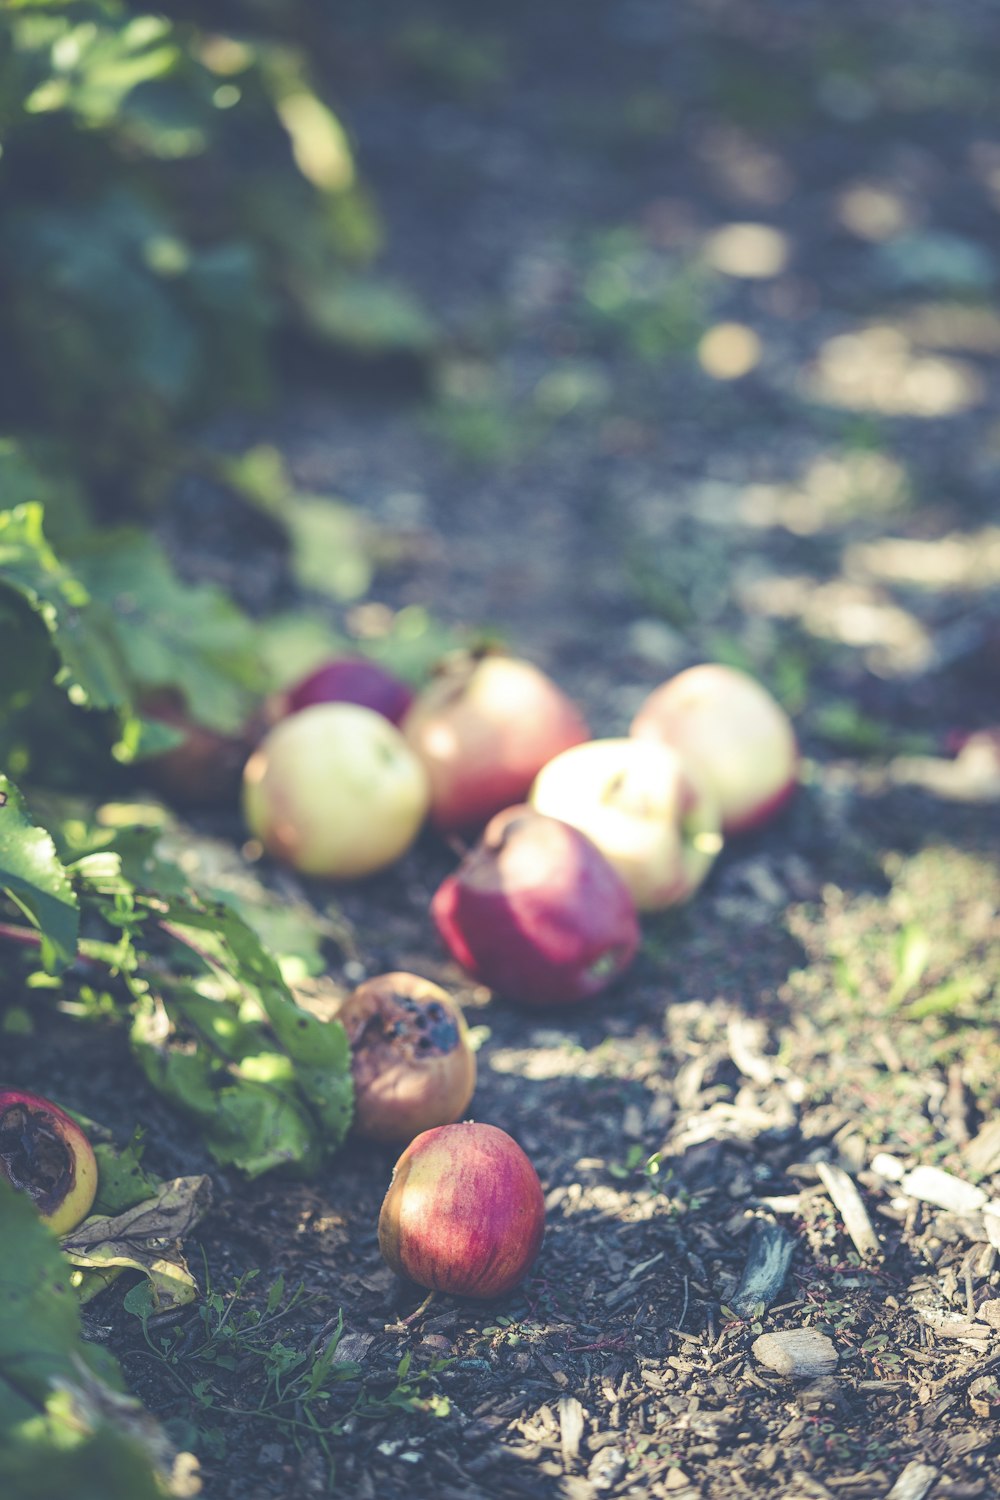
(581,479)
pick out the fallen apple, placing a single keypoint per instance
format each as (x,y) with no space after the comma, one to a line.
(728,725)
(484,726)
(349,679)
(204,769)
(464,1212)
(643,807)
(45,1154)
(411,1060)
(537,912)
(336,791)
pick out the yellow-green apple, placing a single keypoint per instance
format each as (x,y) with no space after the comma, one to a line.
(335,791)
(411,1060)
(484,726)
(348,679)
(536,911)
(643,807)
(45,1154)
(464,1212)
(728,725)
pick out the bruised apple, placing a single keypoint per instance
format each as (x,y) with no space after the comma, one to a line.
(464,1212)
(350,679)
(643,807)
(335,790)
(45,1154)
(484,726)
(536,911)
(726,723)
(411,1060)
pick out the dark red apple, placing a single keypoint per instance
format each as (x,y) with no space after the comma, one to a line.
(411,1060)
(464,1212)
(484,726)
(205,768)
(350,679)
(45,1154)
(537,912)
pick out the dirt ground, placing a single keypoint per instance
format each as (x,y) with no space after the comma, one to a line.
(715,286)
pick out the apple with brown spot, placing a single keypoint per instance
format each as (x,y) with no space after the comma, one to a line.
(537,912)
(728,725)
(411,1060)
(45,1154)
(464,1213)
(484,726)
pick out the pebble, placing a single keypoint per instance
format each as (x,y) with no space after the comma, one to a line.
(803,1353)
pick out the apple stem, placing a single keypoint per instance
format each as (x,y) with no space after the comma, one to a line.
(406,1322)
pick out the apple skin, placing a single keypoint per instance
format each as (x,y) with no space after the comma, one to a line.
(464,1213)
(349,679)
(642,806)
(335,791)
(45,1154)
(484,726)
(411,1060)
(728,725)
(536,911)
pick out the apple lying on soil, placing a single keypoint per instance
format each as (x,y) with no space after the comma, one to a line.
(411,1060)
(536,911)
(484,726)
(336,791)
(348,679)
(464,1212)
(729,726)
(204,769)
(642,806)
(45,1154)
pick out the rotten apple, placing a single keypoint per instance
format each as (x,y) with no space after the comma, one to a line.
(335,791)
(484,726)
(464,1213)
(537,912)
(643,807)
(350,679)
(411,1060)
(728,725)
(45,1154)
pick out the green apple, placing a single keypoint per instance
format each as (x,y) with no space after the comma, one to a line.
(335,791)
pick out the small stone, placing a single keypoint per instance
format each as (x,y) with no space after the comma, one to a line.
(802,1353)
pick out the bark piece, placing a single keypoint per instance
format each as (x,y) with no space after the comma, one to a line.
(570,1428)
(848,1202)
(914,1483)
(803,1353)
(768,1260)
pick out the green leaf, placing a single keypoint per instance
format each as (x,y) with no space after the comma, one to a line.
(36,881)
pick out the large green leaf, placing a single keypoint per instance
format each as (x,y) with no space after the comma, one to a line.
(32,875)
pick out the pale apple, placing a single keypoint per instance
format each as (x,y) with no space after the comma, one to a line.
(335,791)
(729,726)
(484,726)
(644,808)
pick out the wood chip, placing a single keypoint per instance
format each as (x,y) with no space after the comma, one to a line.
(982,1154)
(769,1259)
(989,1312)
(944,1190)
(914,1483)
(571,1415)
(848,1202)
(803,1353)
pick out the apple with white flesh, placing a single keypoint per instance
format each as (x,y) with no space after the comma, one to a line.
(465,1212)
(45,1154)
(536,911)
(643,807)
(349,679)
(335,791)
(729,726)
(411,1060)
(484,726)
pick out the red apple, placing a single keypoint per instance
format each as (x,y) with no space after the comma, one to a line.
(725,723)
(350,679)
(537,912)
(335,790)
(484,726)
(464,1212)
(204,769)
(643,807)
(411,1060)
(45,1154)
